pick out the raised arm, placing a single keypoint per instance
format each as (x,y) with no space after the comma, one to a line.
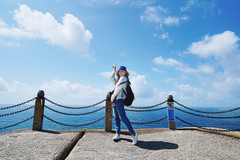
(113,76)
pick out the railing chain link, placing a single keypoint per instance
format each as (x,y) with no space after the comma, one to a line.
(73,114)
(16,123)
(230,110)
(59,105)
(18,104)
(209,129)
(145,110)
(147,106)
(69,125)
(7,114)
(206,116)
(149,122)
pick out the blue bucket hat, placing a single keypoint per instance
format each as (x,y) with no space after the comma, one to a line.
(122,68)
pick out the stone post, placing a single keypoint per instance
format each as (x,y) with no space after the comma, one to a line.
(108,116)
(171,115)
(38,111)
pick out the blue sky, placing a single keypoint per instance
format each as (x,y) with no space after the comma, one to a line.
(189,49)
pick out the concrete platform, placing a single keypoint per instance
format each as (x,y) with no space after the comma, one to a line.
(35,145)
(155,144)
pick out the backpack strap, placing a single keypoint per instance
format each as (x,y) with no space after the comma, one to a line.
(122,83)
(124,92)
(123,89)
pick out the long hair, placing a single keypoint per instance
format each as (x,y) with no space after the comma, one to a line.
(126,75)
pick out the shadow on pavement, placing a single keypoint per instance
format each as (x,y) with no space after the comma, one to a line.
(154,145)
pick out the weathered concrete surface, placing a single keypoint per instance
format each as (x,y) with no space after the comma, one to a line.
(155,144)
(35,145)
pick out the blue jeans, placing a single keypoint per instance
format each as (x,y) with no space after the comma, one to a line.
(120,114)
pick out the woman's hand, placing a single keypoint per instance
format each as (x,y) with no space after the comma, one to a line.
(114,67)
(112,102)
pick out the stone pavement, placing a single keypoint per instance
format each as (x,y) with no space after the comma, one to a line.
(35,145)
(157,144)
(96,144)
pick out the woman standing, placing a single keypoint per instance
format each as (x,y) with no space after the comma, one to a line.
(118,103)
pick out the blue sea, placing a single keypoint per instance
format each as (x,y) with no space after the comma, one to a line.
(133,117)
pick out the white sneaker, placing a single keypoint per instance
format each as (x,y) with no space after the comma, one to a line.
(135,138)
(116,138)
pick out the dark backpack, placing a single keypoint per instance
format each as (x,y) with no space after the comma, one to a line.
(129,95)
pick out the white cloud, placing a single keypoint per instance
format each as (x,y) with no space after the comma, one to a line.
(105,74)
(13,87)
(228,87)
(217,45)
(73,92)
(68,93)
(187,92)
(60,91)
(15,92)
(222,85)
(158,70)
(223,47)
(206,69)
(185,18)
(188,5)
(146,95)
(161,16)
(142,3)
(33,24)
(197,96)
(166,62)
(171,20)
(206,8)
(136,3)
(163,36)
(140,87)
(150,14)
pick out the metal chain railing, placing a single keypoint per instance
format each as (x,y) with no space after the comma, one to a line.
(74,114)
(145,110)
(70,125)
(230,110)
(209,129)
(149,122)
(18,104)
(135,109)
(7,114)
(206,116)
(59,105)
(16,123)
(147,107)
